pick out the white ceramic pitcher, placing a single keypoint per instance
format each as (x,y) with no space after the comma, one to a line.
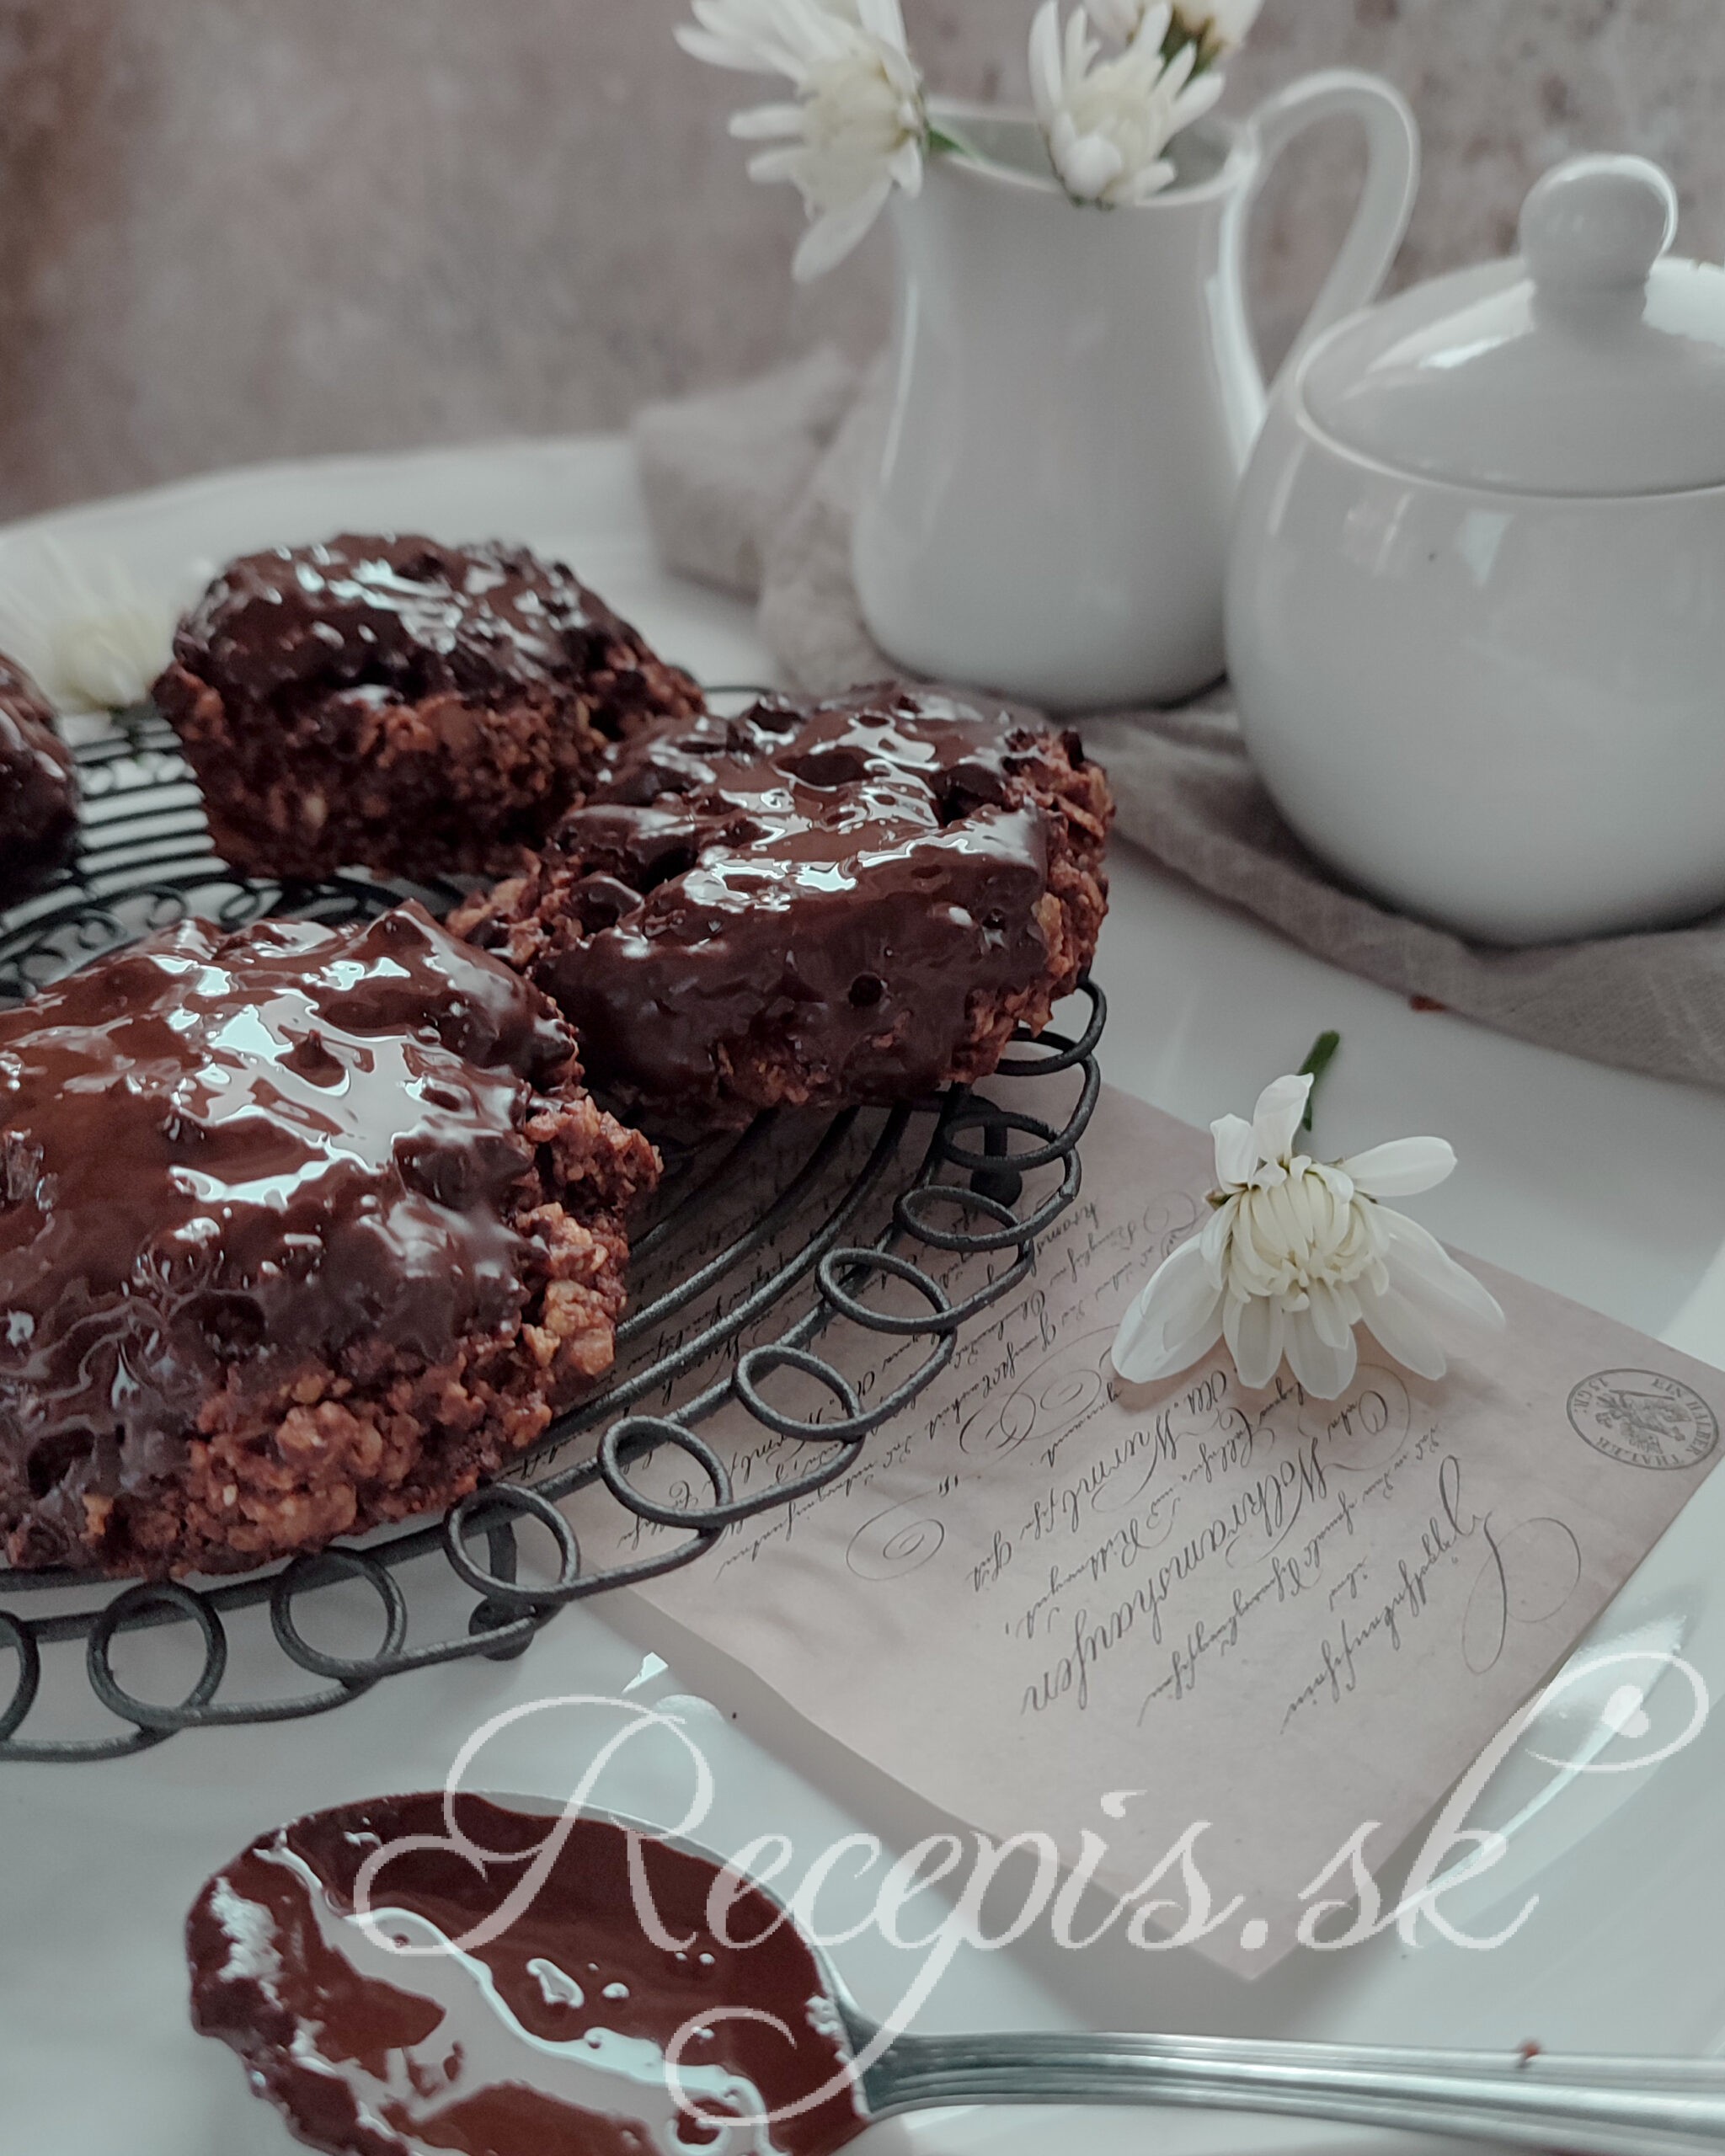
(1075,393)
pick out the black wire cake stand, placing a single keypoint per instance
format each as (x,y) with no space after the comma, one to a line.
(804,1282)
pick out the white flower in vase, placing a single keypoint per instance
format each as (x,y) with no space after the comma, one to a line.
(1295,1254)
(1107,123)
(859,127)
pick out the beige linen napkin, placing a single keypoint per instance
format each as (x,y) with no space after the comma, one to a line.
(752,488)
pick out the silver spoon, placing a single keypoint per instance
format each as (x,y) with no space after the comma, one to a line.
(1584,2105)
(586,1917)
(1592,2106)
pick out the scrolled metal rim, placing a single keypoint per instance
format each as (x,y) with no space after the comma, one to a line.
(1021,1229)
(15,1634)
(760,1363)
(314,1567)
(645,1434)
(147,1714)
(521,1500)
(848,1442)
(73,1751)
(987,1116)
(939,1318)
(649,1568)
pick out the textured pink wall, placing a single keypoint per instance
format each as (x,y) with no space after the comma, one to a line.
(232,229)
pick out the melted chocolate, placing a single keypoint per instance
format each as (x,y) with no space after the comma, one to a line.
(226,1156)
(38,790)
(549,2040)
(395,613)
(833,888)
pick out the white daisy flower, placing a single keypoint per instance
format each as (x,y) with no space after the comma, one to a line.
(859,127)
(1107,124)
(1295,1254)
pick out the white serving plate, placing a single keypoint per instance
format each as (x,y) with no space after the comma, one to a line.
(1609,1187)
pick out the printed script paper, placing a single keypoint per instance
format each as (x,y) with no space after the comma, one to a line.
(1038,1586)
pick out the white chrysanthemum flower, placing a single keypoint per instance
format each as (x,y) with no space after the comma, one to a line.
(1107,126)
(1296,1252)
(858,126)
(95,641)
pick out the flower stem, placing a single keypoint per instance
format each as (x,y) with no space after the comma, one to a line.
(942,143)
(1323,1049)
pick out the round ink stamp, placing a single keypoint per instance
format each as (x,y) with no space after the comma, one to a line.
(1643,1419)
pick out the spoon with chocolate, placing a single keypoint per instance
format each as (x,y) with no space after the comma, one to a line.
(587,1988)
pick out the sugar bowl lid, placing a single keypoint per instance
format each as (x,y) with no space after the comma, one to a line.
(1592,362)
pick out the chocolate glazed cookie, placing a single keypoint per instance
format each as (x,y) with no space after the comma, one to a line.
(388,702)
(857,902)
(38,790)
(301,1228)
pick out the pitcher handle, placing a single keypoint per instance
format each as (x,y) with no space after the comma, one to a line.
(1391,181)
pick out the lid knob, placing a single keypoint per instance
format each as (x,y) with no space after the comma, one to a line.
(1597,225)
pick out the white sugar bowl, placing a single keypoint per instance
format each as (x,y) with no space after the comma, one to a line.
(1476,607)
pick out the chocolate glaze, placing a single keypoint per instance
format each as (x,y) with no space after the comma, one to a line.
(228,1155)
(38,789)
(548,2040)
(419,708)
(398,612)
(841,883)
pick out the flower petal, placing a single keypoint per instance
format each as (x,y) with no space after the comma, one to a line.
(1396,1325)
(1402,1168)
(905,170)
(755,39)
(1158,21)
(785,162)
(1177,1318)
(1217,1231)
(832,237)
(759,123)
(1198,97)
(1277,1117)
(1335,1178)
(883,19)
(1237,1149)
(1254,1332)
(1329,1317)
(702,45)
(1324,1371)
(1422,1270)
(1046,78)
(1179,71)
(1089,164)
(1148,183)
